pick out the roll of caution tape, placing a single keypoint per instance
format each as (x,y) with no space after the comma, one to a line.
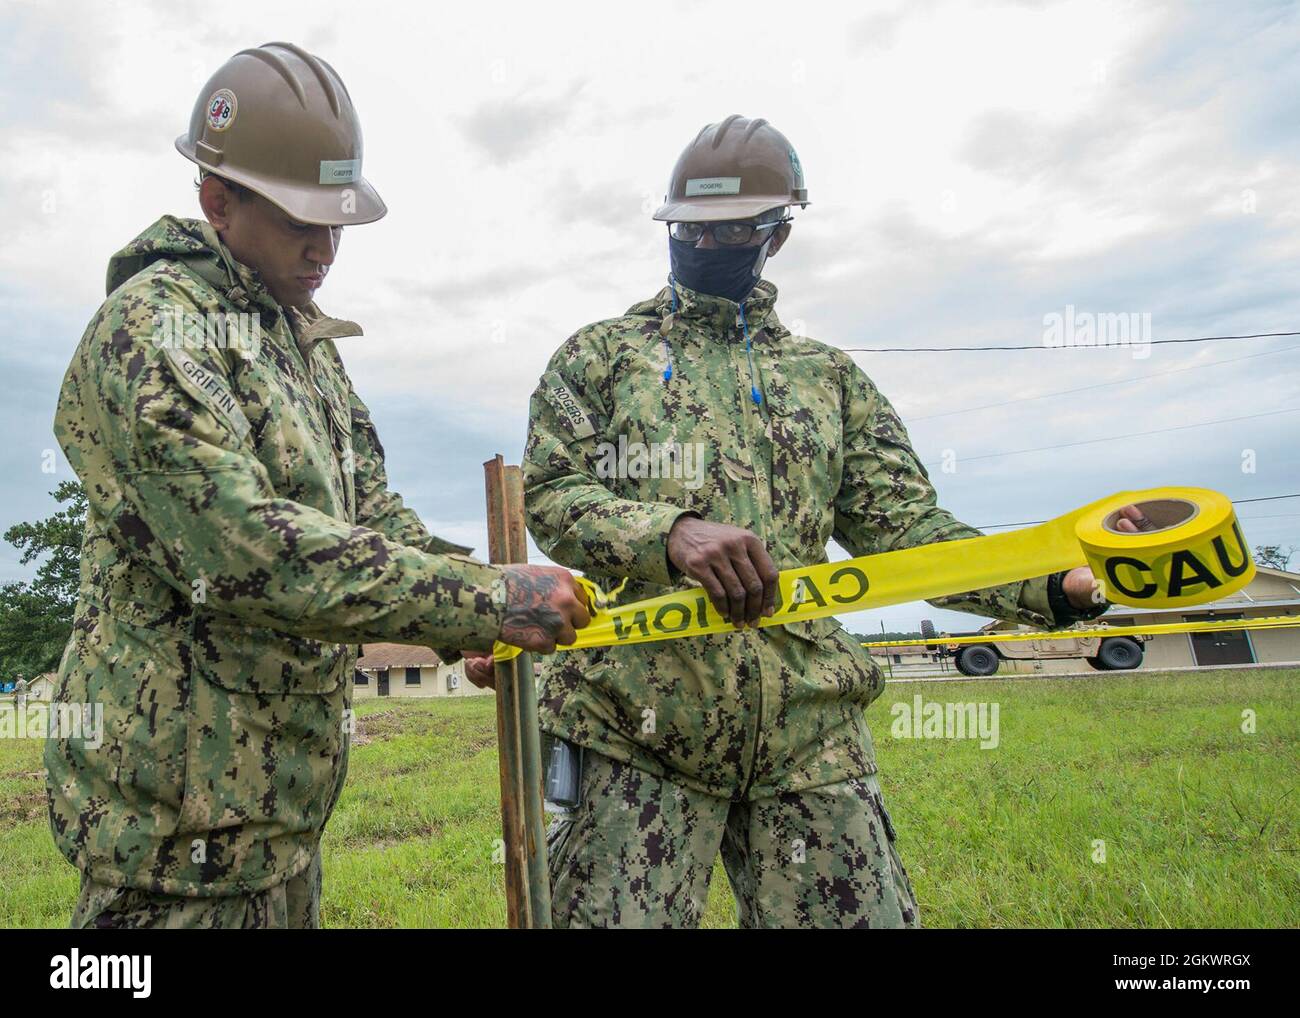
(1194,553)
(1195,550)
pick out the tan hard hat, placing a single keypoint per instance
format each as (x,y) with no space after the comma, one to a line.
(280,122)
(736,169)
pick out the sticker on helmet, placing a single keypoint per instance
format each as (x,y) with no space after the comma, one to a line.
(798,170)
(712,185)
(340,171)
(221,109)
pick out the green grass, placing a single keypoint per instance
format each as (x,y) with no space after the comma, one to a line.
(1201,822)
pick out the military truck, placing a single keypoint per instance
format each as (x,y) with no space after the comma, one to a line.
(1104,653)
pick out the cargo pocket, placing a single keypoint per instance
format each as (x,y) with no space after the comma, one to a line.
(135,682)
(838,662)
(265,736)
(557,838)
(828,700)
(903,891)
(871,682)
(252,659)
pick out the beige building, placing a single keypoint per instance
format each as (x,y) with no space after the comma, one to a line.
(40,688)
(1272,592)
(900,662)
(396,669)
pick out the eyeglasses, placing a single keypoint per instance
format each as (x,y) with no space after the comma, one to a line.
(727,234)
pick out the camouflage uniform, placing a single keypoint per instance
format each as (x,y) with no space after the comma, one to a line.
(762,733)
(241,539)
(293,904)
(638,850)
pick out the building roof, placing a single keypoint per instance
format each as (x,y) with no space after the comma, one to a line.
(1285,574)
(378,656)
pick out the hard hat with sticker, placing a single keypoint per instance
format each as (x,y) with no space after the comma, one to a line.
(293,136)
(734,169)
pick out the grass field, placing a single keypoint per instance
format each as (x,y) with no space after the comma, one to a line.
(1200,820)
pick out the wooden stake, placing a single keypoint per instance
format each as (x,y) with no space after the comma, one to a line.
(523,823)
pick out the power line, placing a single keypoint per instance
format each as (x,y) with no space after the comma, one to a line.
(1034,523)
(1101,385)
(1116,438)
(1043,346)
(1263,498)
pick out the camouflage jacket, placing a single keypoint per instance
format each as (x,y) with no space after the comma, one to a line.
(824,455)
(240,540)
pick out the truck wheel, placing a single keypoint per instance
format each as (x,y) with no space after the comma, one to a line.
(977,659)
(927,631)
(1119,653)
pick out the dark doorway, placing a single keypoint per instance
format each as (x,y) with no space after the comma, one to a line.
(1224,647)
(383,682)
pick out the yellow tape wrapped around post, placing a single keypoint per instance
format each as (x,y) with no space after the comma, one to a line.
(1194,554)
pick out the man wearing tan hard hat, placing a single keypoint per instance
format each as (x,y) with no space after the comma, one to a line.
(241,538)
(754,744)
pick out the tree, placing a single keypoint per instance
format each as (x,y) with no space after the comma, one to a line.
(1273,556)
(36,617)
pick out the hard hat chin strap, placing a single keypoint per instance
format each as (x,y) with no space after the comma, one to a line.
(235,292)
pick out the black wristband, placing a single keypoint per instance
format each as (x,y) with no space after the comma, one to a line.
(1063,612)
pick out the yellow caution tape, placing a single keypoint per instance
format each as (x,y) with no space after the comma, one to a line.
(1156,629)
(1196,553)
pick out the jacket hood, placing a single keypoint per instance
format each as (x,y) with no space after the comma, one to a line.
(675,301)
(194,242)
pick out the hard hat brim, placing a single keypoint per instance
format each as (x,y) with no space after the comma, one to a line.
(317,205)
(717,210)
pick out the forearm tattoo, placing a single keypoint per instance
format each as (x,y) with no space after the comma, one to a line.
(530,611)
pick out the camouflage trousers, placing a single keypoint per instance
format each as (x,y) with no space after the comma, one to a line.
(292,905)
(638,850)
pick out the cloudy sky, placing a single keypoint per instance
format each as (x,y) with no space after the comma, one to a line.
(972,170)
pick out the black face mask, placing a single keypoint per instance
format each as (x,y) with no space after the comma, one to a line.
(720,271)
